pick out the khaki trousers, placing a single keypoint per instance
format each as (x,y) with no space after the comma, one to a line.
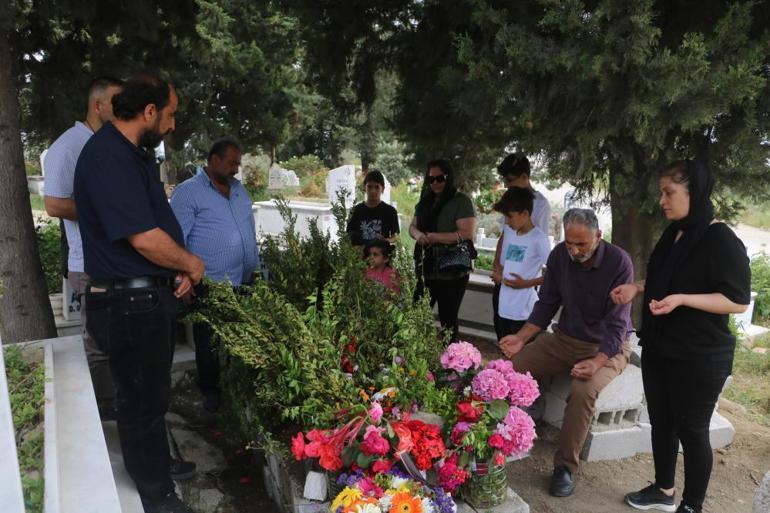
(555,353)
(98,360)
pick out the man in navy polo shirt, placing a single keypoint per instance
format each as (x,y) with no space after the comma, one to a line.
(134,253)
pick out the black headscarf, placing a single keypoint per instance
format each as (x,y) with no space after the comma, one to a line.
(668,255)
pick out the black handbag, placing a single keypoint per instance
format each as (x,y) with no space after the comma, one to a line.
(455,257)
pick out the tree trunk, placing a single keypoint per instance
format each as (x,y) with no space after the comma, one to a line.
(25,311)
(633,229)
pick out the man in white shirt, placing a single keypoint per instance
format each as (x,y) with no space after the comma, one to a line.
(59,202)
(514,171)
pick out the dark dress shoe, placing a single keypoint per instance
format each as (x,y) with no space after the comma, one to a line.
(562,484)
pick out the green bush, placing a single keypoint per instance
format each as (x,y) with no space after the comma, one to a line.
(305,165)
(49,245)
(760,283)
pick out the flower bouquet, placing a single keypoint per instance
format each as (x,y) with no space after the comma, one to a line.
(389,492)
(490,423)
(372,440)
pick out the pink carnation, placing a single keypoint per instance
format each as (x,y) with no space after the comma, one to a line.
(375,412)
(490,384)
(517,431)
(524,389)
(461,356)
(458,432)
(450,476)
(374,444)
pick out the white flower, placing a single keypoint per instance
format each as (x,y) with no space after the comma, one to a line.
(398,482)
(385,502)
(427,505)
(368,508)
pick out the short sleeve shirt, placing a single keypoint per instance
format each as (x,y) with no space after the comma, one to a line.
(367,224)
(59,168)
(718,263)
(524,255)
(118,193)
(459,207)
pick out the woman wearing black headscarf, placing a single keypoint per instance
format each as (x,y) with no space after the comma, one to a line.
(697,275)
(443,218)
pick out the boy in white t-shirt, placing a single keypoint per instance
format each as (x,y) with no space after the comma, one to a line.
(524,251)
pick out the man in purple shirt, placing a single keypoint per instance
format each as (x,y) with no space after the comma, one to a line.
(590,339)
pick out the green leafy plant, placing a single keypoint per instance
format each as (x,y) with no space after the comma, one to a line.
(760,283)
(48,237)
(26,386)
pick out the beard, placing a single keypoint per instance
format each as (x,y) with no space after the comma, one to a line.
(151,138)
(582,259)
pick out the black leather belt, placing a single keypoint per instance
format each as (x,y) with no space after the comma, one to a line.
(140,282)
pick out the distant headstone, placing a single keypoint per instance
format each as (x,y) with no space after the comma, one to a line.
(339,179)
(279,178)
(42,162)
(386,193)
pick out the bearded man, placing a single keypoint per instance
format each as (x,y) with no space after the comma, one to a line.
(590,339)
(134,254)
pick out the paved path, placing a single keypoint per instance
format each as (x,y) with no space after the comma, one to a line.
(756,240)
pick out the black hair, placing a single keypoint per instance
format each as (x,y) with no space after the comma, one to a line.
(385,246)
(220,146)
(678,171)
(376,177)
(514,164)
(101,84)
(515,199)
(427,208)
(139,92)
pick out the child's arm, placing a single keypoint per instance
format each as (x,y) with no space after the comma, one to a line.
(517,282)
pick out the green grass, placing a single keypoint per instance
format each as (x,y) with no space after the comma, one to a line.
(404,199)
(751,386)
(37,202)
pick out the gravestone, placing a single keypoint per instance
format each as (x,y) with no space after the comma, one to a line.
(342,178)
(42,162)
(280,178)
(386,192)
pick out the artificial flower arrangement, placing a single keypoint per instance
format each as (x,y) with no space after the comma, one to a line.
(390,491)
(490,423)
(372,439)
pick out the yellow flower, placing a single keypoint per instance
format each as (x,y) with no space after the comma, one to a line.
(412,373)
(403,502)
(345,498)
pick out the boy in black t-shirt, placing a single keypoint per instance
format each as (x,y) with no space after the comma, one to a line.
(373,219)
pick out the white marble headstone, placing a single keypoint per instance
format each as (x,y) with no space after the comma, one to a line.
(278,178)
(343,177)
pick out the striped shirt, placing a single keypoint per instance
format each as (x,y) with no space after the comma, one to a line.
(220,230)
(59,169)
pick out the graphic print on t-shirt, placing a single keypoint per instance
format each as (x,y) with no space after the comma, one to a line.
(371,229)
(516,253)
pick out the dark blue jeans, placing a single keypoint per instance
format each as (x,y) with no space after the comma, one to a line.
(138,329)
(681,396)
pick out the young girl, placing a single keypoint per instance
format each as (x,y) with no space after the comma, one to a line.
(377,253)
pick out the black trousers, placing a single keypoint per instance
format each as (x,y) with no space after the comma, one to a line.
(681,396)
(206,359)
(138,329)
(449,295)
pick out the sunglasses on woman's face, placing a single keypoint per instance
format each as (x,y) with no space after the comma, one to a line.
(436,179)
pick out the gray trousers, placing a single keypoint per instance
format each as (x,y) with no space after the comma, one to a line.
(98,361)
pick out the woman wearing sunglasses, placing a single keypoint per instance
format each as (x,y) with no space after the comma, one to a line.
(443,217)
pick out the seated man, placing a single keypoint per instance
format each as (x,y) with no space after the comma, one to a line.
(591,338)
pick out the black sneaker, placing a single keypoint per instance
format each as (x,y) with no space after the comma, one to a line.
(168,504)
(181,470)
(651,498)
(684,508)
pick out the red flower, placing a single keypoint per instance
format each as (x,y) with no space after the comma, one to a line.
(450,476)
(499,459)
(330,458)
(404,438)
(374,444)
(317,439)
(428,443)
(382,466)
(496,441)
(468,412)
(298,446)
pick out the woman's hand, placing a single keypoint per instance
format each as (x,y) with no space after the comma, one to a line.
(434,238)
(423,239)
(666,305)
(624,294)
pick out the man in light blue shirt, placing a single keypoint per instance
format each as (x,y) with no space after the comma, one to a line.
(215,213)
(59,169)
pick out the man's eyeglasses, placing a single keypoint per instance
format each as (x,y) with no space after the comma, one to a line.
(436,179)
